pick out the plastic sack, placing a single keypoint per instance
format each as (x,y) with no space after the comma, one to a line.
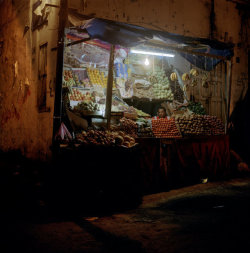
(63,133)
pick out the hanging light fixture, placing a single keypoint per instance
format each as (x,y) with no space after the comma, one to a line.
(146,62)
(133,51)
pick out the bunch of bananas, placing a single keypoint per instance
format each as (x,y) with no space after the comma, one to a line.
(194,72)
(185,87)
(185,77)
(205,83)
(194,83)
(173,77)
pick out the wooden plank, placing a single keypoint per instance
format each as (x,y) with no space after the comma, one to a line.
(229,78)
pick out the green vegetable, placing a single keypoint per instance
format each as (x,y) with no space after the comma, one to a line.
(197,108)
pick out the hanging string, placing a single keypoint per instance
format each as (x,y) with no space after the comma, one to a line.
(175,96)
(205,81)
(214,79)
(185,84)
(213,91)
(193,83)
(196,80)
(153,64)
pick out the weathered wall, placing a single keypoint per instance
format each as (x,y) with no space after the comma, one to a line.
(232,24)
(22,126)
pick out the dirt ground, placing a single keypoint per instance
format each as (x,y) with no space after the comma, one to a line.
(211,217)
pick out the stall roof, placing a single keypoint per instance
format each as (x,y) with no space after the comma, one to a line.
(128,35)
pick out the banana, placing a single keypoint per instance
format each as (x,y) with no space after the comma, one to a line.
(185,88)
(185,77)
(194,72)
(193,83)
(173,76)
(204,84)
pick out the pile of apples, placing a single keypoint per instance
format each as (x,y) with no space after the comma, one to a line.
(79,96)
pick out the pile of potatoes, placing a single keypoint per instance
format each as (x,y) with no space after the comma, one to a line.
(106,138)
(200,125)
(193,125)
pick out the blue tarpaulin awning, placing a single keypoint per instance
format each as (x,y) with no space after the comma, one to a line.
(128,35)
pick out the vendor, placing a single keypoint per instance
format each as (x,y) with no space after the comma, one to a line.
(161,113)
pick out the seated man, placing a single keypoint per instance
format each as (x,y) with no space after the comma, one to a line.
(161,113)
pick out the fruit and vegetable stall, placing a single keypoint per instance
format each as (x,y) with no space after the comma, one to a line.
(188,144)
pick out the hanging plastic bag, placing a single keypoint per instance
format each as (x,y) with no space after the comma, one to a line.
(63,133)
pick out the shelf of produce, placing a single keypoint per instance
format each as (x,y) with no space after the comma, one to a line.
(99,114)
(117,114)
(92,113)
(147,99)
(68,68)
(81,88)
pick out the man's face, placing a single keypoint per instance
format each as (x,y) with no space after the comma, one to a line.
(161,113)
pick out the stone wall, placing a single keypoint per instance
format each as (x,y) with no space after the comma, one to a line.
(23,127)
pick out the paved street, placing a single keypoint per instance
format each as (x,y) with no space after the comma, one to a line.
(211,217)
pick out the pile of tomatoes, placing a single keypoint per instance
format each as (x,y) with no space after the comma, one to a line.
(165,128)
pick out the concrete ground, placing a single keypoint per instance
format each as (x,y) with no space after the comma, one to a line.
(211,217)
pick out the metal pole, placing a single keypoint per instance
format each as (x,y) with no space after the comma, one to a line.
(63,17)
(109,87)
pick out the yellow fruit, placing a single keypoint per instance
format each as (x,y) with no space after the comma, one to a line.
(194,83)
(204,84)
(185,87)
(185,77)
(173,76)
(194,72)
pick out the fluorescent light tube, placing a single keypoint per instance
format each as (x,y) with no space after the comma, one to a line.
(150,53)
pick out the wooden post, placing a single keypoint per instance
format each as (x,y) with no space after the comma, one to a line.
(63,17)
(230,67)
(109,87)
(223,90)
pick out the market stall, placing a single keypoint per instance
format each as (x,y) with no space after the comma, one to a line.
(113,85)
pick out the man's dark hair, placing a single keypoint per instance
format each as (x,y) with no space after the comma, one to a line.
(163,108)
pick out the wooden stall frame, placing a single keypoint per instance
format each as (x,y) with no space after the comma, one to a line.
(109,86)
(63,14)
